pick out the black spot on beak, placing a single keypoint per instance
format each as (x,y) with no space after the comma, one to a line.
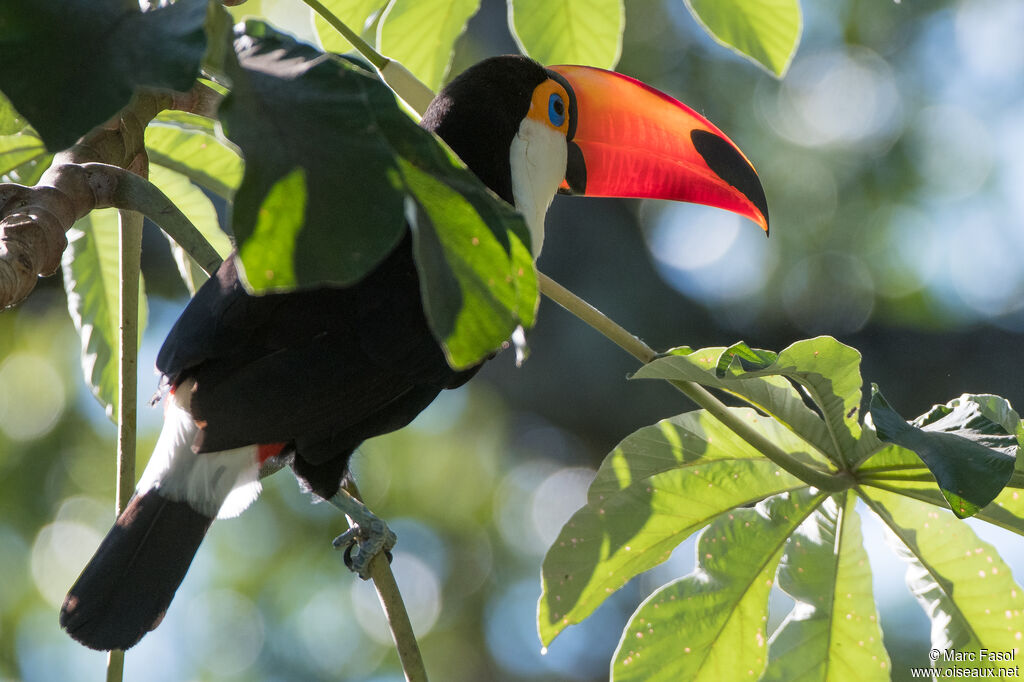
(729,164)
(575,171)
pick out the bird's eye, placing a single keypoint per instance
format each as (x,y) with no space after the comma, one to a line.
(556,110)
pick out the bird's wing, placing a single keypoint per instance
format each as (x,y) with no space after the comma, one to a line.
(326,365)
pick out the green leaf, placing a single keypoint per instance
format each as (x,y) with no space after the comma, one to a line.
(468,308)
(766,32)
(358,150)
(901,471)
(90,265)
(659,486)
(969,474)
(985,419)
(292,106)
(833,631)
(23,158)
(182,146)
(710,625)
(11,122)
(356,14)
(827,371)
(269,253)
(70,65)
(960,581)
(587,32)
(749,358)
(200,211)
(421,35)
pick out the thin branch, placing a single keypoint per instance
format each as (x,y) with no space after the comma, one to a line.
(634,346)
(402,81)
(130,247)
(130,239)
(394,609)
(115,666)
(378,60)
(201,100)
(596,319)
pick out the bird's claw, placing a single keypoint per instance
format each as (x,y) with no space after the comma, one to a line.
(364,541)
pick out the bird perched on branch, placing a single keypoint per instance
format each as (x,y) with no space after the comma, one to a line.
(313,373)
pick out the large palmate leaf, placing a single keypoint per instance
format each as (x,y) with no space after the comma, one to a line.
(362,160)
(421,34)
(710,625)
(971,456)
(69,65)
(585,32)
(827,371)
(659,486)
(766,32)
(960,581)
(825,569)
(91,278)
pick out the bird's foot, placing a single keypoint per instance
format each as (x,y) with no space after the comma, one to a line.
(362,543)
(368,536)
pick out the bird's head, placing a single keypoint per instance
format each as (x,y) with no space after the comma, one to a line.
(528,132)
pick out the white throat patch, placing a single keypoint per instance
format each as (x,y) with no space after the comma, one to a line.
(538,158)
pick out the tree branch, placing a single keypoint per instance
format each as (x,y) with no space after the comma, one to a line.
(33,220)
(394,609)
(824,480)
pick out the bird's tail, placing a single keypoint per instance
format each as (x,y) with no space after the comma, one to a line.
(128,585)
(126,588)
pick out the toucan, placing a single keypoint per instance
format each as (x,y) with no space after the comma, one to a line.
(307,376)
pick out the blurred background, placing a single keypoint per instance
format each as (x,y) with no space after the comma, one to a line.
(892,155)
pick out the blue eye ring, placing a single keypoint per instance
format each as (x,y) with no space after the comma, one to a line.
(556,110)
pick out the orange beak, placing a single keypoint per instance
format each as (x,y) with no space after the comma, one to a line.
(627,139)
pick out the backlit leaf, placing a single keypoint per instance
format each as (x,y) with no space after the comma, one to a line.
(963,585)
(587,32)
(421,34)
(710,625)
(200,211)
(659,486)
(766,32)
(91,277)
(826,571)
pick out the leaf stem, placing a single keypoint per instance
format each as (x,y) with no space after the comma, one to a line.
(376,58)
(832,482)
(402,82)
(596,319)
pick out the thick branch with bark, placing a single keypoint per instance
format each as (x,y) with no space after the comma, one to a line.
(89,175)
